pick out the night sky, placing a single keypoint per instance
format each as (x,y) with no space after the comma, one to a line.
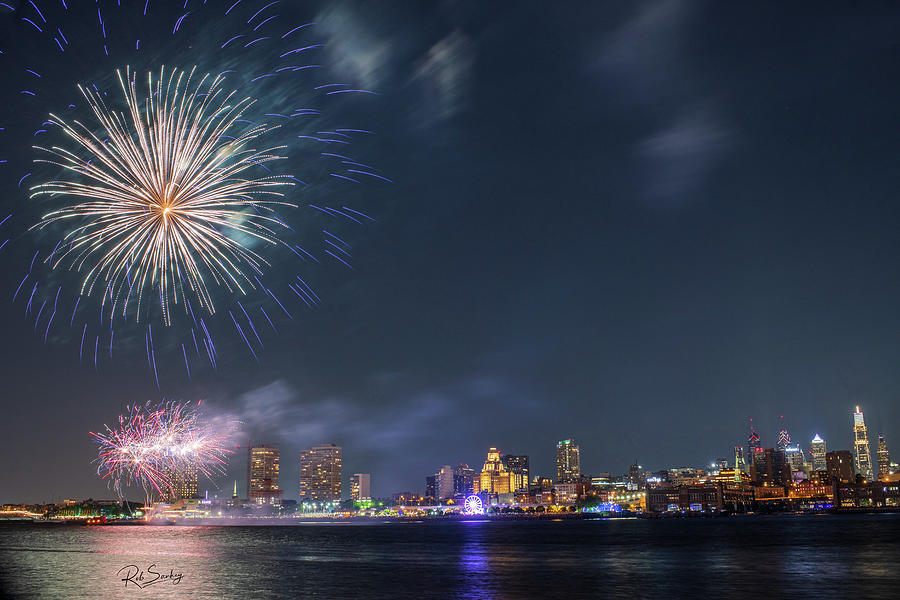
(634,224)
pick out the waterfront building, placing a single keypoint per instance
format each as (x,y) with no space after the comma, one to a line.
(861,445)
(839,466)
(262,475)
(817,450)
(443,483)
(884,457)
(320,474)
(361,487)
(463,479)
(518,466)
(494,477)
(770,467)
(431,487)
(184,484)
(568,461)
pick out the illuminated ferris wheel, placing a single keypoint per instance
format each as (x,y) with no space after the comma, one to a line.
(473,505)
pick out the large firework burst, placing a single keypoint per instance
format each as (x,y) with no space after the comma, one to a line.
(162,200)
(152,447)
(155,219)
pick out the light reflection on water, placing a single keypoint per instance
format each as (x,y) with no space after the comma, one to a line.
(721,558)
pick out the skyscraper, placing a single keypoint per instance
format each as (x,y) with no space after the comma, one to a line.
(817,450)
(793,455)
(361,486)
(518,466)
(185,484)
(861,446)
(443,483)
(262,474)
(784,440)
(568,460)
(463,479)
(320,474)
(753,442)
(494,478)
(884,457)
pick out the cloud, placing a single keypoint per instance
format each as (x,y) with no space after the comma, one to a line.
(444,76)
(679,157)
(354,52)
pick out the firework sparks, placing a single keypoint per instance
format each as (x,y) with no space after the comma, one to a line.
(152,447)
(164,200)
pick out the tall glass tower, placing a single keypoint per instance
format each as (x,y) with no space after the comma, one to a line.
(817,450)
(568,460)
(884,457)
(861,446)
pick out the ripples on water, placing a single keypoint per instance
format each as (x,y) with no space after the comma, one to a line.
(739,557)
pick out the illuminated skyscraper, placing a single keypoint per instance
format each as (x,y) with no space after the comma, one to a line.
(494,478)
(793,455)
(753,443)
(320,473)
(463,479)
(518,466)
(361,486)
(443,483)
(861,446)
(185,484)
(568,461)
(817,449)
(262,475)
(884,457)
(784,440)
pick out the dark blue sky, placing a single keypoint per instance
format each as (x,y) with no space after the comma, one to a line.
(634,224)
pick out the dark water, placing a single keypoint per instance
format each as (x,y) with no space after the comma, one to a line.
(750,557)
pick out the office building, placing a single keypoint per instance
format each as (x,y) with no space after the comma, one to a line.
(568,461)
(443,483)
(861,446)
(262,475)
(184,484)
(818,450)
(884,457)
(361,487)
(320,474)
(494,478)
(518,466)
(794,457)
(463,479)
(839,466)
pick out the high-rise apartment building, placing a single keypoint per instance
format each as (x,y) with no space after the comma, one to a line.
(320,474)
(494,477)
(861,446)
(443,483)
(262,474)
(568,460)
(361,487)
(518,466)
(839,466)
(184,484)
(884,457)
(817,450)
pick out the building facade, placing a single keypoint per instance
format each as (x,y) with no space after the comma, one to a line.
(884,457)
(817,451)
(861,446)
(518,466)
(463,479)
(443,483)
(262,475)
(839,466)
(568,461)
(184,484)
(361,487)
(320,474)
(494,477)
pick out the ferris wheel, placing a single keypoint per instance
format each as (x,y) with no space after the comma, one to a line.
(474,506)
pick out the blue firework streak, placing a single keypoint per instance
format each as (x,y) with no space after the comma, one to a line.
(259,51)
